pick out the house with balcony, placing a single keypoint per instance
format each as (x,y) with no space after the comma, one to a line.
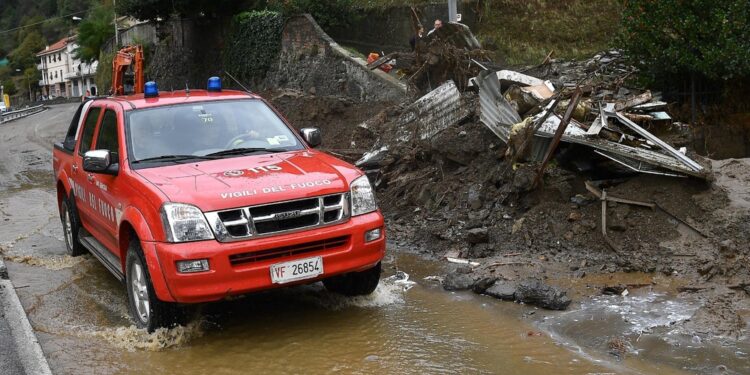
(63,74)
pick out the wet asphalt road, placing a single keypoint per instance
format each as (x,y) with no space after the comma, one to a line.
(25,163)
(10,362)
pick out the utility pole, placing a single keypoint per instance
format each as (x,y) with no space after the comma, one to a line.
(452,11)
(114,10)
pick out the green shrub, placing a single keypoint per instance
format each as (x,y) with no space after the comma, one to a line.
(708,37)
(254,44)
(327,13)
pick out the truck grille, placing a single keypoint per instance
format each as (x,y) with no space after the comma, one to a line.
(278,252)
(276,218)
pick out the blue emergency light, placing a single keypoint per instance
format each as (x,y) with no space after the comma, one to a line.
(150,90)
(214,84)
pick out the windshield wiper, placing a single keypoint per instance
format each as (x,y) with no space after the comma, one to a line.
(245,150)
(174,158)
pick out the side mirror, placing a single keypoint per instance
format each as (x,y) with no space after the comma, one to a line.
(99,161)
(312,136)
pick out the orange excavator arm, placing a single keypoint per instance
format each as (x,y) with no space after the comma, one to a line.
(130,56)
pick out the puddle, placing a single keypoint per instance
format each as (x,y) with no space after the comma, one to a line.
(408,325)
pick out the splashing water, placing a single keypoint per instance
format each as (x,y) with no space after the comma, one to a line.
(132,338)
(390,291)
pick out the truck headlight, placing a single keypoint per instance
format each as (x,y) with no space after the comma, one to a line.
(184,222)
(363,198)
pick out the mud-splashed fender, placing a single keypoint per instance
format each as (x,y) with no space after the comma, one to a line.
(63,186)
(132,221)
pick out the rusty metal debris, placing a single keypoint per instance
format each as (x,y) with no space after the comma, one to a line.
(558,134)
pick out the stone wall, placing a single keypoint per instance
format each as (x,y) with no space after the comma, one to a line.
(311,61)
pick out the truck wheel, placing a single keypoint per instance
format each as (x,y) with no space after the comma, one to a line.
(71,226)
(147,310)
(354,283)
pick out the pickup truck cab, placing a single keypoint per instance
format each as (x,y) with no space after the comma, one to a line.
(195,196)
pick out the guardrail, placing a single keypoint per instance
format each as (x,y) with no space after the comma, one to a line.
(9,116)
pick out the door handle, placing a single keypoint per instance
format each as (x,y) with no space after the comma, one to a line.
(75,168)
(90,177)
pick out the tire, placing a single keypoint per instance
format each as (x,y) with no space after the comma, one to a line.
(71,226)
(147,310)
(355,283)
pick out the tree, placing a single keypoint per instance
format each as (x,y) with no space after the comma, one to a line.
(24,56)
(159,9)
(93,32)
(31,78)
(327,13)
(65,7)
(17,13)
(707,37)
(9,87)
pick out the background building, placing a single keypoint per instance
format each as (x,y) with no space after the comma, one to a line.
(63,74)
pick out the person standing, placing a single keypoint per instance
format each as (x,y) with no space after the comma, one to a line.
(415,38)
(438,24)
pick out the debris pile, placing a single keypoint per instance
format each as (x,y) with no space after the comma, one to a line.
(489,169)
(449,53)
(610,124)
(461,175)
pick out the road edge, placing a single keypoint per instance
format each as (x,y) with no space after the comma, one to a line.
(27,345)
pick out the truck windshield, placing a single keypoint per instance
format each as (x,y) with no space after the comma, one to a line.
(206,130)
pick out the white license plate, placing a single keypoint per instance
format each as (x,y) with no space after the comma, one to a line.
(296,270)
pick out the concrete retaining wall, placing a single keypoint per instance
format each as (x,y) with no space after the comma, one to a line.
(313,62)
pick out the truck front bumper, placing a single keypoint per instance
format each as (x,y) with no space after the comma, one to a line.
(226,278)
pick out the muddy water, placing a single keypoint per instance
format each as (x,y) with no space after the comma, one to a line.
(406,326)
(401,328)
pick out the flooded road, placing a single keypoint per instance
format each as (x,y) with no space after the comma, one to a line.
(408,326)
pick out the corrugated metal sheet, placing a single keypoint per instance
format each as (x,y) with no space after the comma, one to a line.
(495,112)
(432,113)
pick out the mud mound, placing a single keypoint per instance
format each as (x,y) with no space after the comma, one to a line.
(336,116)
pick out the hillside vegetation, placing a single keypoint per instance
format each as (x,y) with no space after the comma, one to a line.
(525,31)
(520,32)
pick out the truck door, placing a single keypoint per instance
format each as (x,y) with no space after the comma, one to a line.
(107,188)
(81,186)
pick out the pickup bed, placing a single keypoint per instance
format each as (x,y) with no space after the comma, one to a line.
(190,197)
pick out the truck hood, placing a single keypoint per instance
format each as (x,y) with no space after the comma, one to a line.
(244,181)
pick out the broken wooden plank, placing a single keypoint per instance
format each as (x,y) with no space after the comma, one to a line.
(652,205)
(604,223)
(633,101)
(599,194)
